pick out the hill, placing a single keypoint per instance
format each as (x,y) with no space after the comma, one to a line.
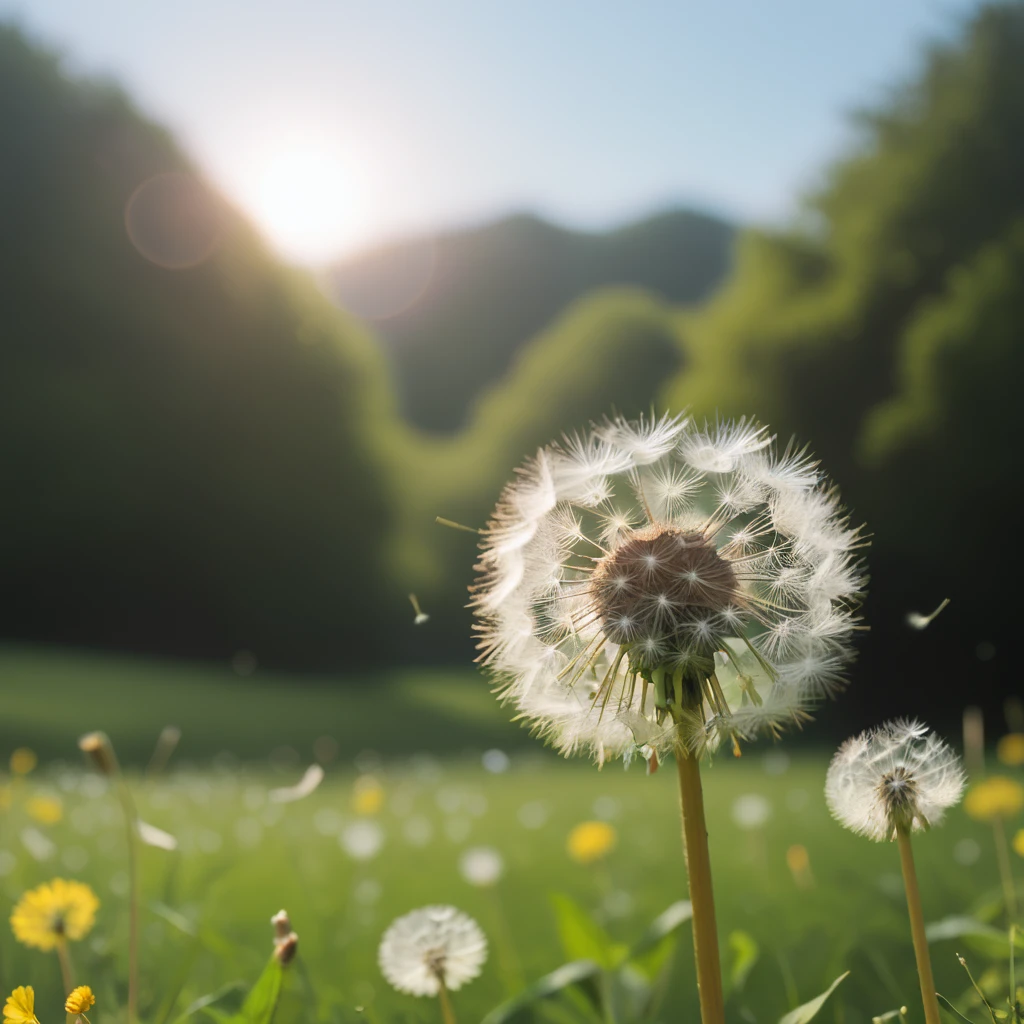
(454,310)
(191,433)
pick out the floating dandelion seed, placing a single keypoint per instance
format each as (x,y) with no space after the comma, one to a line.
(53,913)
(915,620)
(421,615)
(655,581)
(312,778)
(432,951)
(20,1007)
(900,775)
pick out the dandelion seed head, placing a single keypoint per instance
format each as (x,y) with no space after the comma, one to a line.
(898,776)
(429,946)
(592,616)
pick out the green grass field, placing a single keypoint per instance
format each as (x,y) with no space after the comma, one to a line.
(242,857)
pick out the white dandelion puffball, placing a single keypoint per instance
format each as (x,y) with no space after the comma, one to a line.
(431,945)
(900,775)
(657,581)
(482,866)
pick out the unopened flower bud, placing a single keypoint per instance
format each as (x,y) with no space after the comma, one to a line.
(100,750)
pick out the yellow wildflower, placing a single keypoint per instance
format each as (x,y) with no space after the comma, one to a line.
(1010,749)
(996,797)
(23,761)
(1018,842)
(20,1007)
(52,912)
(80,1000)
(367,795)
(47,810)
(590,841)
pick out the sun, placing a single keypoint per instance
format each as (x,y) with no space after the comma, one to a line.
(305,194)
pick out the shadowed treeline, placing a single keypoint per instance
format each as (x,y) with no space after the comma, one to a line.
(201,454)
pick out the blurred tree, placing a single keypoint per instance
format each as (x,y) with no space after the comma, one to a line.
(454,311)
(884,328)
(192,435)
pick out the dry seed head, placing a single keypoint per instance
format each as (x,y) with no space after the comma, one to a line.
(100,751)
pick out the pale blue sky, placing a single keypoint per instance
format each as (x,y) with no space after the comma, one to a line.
(336,122)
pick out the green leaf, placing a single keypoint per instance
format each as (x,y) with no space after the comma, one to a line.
(576,973)
(582,937)
(666,923)
(745,953)
(983,938)
(205,1003)
(261,1002)
(807,1012)
(951,1009)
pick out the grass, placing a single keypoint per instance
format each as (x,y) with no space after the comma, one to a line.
(242,857)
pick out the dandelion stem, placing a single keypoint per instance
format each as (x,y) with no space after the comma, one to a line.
(446,1004)
(924,963)
(702,898)
(1005,870)
(131,820)
(66,971)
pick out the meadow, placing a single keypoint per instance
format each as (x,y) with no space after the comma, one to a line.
(344,866)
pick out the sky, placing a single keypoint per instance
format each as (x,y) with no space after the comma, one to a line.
(336,124)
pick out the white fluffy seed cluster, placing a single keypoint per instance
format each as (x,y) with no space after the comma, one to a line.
(427,945)
(898,775)
(663,546)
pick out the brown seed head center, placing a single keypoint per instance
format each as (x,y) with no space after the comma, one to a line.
(659,583)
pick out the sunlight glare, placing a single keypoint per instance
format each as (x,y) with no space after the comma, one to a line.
(306,198)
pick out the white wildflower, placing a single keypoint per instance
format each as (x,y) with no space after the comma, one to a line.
(429,947)
(481,866)
(655,581)
(898,776)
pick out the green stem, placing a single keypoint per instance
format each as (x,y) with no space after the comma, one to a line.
(66,970)
(131,820)
(446,1004)
(924,963)
(1005,870)
(511,970)
(702,898)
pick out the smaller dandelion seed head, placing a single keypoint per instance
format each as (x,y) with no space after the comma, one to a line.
(429,947)
(898,777)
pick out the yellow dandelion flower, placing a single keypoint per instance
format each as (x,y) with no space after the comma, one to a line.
(367,795)
(1018,842)
(53,912)
(20,1007)
(23,761)
(47,810)
(1010,749)
(590,841)
(996,797)
(80,1000)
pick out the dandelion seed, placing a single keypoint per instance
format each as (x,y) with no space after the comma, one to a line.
(20,1007)
(312,778)
(915,620)
(421,615)
(54,912)
(432,951)
(899,776)
(591,841)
